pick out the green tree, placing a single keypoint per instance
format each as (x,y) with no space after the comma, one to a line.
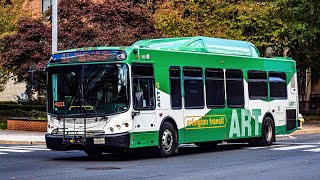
(279,24)
(303,34)
(249,20)
(302,19)
(10,12)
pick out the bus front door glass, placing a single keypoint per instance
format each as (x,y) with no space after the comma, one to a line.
(143,97)
(143,93)
(79,89)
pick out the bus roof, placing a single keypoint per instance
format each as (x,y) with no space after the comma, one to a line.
(91,48)
(202,44)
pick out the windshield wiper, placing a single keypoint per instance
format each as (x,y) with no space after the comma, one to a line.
(84,106)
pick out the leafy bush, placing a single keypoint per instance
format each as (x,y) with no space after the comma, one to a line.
(35,114)
(3,124)
(17,110)
(7,102)
(22,107)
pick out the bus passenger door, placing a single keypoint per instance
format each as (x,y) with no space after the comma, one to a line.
(144,102)
(195,125)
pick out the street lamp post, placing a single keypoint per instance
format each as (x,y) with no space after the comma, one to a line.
(54,26)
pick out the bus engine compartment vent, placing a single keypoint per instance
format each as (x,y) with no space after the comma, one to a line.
(291,115)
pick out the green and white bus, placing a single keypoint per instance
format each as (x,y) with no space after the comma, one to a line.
(166,92)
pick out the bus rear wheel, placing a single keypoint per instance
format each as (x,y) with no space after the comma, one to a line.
(268,132)
(168,140)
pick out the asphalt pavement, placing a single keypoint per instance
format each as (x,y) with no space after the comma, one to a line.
(291,159)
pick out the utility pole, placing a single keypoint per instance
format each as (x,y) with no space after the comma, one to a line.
(54,26)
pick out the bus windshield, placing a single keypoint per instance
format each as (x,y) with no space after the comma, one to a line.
(88,89)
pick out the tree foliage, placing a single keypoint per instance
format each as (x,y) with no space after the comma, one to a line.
(81,23)
(302,19)
(111,23)
(243,20)
(10,12)
(29,47)
(279,24)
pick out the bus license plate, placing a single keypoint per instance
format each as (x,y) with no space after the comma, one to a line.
(99,141)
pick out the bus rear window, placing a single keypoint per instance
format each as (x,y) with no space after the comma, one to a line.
(278,85)
(258,85)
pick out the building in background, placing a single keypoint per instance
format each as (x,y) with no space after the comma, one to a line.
(309,92)
(14,90)
(37,7)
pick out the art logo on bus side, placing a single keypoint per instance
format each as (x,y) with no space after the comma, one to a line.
(158,94)
(246,123)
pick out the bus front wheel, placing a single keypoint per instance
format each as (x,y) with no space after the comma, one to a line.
(268,132)
(167,140)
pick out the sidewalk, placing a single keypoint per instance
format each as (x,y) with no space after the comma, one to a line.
(308,128)
(21,137)
(29,138)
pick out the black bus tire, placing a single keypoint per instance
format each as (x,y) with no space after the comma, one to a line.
(267,132)
(168,141)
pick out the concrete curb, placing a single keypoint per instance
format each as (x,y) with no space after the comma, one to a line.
(284,137)
(22,142)
(306,131)
(298,132)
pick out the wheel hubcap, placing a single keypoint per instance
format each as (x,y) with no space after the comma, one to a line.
(167,140)
(269,132)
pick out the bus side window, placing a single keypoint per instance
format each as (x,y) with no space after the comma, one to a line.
(193,88)
(215,88)
(143,86)
(258,85)
(175,88)
(278,85)
(235,92)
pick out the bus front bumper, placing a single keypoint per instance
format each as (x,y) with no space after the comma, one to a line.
(111,142)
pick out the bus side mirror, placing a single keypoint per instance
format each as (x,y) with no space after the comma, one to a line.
(135,113)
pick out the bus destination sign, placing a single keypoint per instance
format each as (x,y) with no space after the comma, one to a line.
(89,56)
